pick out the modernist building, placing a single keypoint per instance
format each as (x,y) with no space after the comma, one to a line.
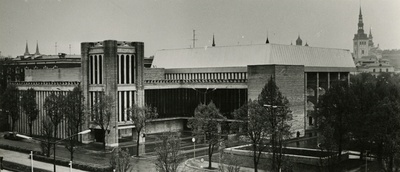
(226,75)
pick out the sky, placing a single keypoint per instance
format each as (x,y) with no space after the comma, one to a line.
(169,24)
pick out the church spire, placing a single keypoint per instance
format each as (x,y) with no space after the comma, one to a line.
(37,48)
(26,49)
(213,44)
(267,41)
(360,23)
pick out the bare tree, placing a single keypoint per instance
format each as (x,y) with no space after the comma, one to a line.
(168,152)
(252,123)
(205,123)
(47,133)
(74,115)
(120,160)
(140,116)
(29,107)
(101,113)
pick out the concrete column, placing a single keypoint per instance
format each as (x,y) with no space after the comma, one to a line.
(110,76)
(85,46)
(305,102)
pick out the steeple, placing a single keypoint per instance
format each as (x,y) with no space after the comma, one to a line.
(26,50)
(213,44)
(267,41)
(299,41)
(306,44)
(360,23)
(37,49)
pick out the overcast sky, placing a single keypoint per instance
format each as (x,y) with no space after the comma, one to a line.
(168,24)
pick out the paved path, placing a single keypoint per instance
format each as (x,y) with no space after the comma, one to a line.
(22,158)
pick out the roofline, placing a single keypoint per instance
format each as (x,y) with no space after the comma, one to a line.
(250,45)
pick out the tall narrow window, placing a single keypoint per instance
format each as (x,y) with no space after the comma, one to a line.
(95,70)
(100,69)
(122,69)
(91,69)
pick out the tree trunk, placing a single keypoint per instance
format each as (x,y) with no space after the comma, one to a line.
(255,158)
(54,148)
(104,140)
(72,153)
(30,129)
(209,156)
(273,151)
(137,143)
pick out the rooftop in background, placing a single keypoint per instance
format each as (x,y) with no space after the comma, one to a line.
(244,55)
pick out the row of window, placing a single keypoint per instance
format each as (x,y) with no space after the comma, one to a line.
(96,69)
(126,69)
(193,76)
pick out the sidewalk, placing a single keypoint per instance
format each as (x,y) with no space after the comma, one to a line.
(197,165)
(22,158)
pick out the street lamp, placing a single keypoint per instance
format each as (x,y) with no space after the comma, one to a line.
(194,147)
(54,155)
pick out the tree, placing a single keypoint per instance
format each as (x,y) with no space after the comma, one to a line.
(10,104)
(47,133)
(253,124)
(278,116)
(168,152)
(333,112)
(140,116)
(101,113)
(120,160)
(29,107)
(205,124)
(74,116)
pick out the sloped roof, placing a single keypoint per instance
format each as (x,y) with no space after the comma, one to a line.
(243,55)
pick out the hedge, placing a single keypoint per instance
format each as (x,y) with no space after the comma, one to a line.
(12,166)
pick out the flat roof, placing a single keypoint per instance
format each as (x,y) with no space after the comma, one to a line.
(260,54)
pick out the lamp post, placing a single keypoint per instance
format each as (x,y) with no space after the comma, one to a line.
(54,155)
(194,147)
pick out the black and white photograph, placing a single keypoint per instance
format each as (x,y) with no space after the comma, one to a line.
(200,85)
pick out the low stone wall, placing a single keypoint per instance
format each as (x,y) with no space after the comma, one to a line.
(310,160)
(163,125)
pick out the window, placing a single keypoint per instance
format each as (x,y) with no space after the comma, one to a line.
(362,51)
(373,70)
(310,121)
(387,70)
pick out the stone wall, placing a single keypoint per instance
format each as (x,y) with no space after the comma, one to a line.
(154,73)
(290,81)
(50,74)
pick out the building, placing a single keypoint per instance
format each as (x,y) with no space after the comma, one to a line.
(362,43)
(183,78)
(367,57)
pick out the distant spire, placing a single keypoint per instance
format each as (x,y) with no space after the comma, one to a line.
(26,49)
(267,41)
(306,44)
(213,44)
(37,48)
(299,41)
(291,43)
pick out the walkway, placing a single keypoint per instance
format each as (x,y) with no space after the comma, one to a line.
(23,159)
